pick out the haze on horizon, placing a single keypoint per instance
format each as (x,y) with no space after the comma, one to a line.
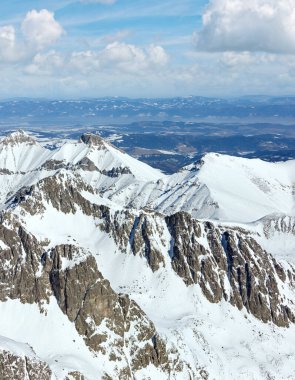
(97,48)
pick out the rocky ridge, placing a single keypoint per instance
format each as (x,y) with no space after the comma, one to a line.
(19,361)
(224,261)
(15,367)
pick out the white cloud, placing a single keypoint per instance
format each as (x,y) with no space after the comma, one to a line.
(117,57)
(7,35)
(87,74)
(45,64)
(252,25)
(41,29)
(85,61)
(158,55)
(237,58)
(125,56)
(131,58)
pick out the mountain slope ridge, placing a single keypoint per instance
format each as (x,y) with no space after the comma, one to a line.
(141,292)
(252,190)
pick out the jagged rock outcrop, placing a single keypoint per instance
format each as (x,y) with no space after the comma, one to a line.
(141,240)
(20,266)
(14,367)
(83,294)
(87,165)
(60,190)
(127,230)
(279,224)
(88,300)
(75,375)
(53,165)
(18,137)
(116,172)
(232,266)
(92,140)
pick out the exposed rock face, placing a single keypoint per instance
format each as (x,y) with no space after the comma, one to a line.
(135,234)
(83,294)
(53,165)
(19,265)
(127,230)
(232,261)
(60,190)
(13,367)
(4,171)
(283,224)
(116,172)
(141,240)
(21,194)
(86,164)
(88,300)
(75,376)
(255,280)
(92,140)
(18,137)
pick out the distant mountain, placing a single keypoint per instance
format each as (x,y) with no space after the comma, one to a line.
(111,269)
(116,109)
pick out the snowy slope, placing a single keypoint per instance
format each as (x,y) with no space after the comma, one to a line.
(20,153)
(228,188)
(54,339)
(245,189)
(221,187)
(105,157)
(23,161)
(276,233)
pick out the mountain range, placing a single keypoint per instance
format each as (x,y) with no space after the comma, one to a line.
(111,269)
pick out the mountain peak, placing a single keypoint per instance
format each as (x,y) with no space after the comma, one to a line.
(18,137)
(197,165)
(92,139)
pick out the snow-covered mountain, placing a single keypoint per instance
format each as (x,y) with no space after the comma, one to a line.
(112,270)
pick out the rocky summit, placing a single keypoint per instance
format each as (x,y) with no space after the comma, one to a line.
(110,269)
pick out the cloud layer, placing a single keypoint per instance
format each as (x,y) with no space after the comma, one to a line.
(252,25)
(240,50)
(116,57)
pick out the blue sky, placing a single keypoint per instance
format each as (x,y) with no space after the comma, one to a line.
(135,48)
